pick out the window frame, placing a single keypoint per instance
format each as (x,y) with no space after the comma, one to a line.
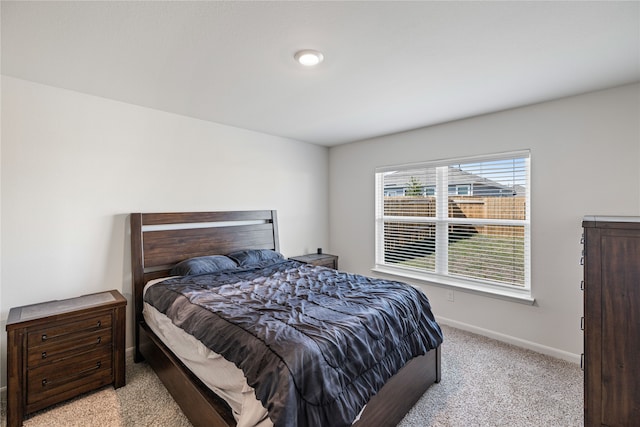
(442,221)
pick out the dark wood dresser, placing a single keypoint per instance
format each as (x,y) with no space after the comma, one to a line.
(611,321)
(59,349)
(326,260)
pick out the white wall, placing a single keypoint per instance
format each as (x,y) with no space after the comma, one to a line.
(584,160)
(73,166)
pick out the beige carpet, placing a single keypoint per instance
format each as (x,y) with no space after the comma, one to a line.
(489,383)
(484,383)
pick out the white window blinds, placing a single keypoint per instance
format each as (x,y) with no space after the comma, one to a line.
(463,219)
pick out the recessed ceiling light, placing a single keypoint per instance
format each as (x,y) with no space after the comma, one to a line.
(309,57)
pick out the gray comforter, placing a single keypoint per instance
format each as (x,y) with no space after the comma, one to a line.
(315,343)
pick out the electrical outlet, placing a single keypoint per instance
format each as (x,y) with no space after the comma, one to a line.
(450,295)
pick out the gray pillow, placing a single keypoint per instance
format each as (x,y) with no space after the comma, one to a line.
(203,265)
(255,257)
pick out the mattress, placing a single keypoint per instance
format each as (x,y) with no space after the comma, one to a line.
(220,375)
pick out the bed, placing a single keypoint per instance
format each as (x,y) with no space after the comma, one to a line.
(159,241)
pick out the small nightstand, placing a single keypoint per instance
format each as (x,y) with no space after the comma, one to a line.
(326,260)
(57,350)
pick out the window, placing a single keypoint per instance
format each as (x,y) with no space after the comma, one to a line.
(459,222)
(459,189)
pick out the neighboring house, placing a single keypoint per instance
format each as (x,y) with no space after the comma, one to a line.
(462,183)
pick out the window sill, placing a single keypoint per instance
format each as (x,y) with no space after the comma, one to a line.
(507,294)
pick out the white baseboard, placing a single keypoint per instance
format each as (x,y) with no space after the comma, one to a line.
(529,345)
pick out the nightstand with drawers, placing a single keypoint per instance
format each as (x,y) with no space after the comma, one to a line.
(59,349)
(326,260)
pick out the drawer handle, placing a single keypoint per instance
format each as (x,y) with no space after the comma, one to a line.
(99,324)
(99,340)
(44,354)
(46,382)
(44,337)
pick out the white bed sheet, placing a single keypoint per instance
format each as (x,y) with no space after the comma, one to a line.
(220,375)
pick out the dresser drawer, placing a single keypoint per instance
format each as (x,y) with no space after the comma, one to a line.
(57,350)
(66,332)
(326,263)
(87,370)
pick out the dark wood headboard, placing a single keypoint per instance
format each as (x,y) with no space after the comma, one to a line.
(161,240)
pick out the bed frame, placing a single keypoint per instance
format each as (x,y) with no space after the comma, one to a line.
(161,240)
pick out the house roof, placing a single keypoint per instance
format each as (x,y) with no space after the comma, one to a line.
(457,176)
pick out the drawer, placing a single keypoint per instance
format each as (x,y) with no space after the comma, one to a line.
(57,350)
(325,263)
(84,371)
(67,331)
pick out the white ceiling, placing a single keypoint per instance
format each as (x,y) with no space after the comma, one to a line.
(389,66)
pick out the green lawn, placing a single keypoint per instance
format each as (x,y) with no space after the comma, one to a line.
(501,259)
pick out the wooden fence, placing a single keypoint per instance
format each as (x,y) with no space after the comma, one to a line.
(510,208)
